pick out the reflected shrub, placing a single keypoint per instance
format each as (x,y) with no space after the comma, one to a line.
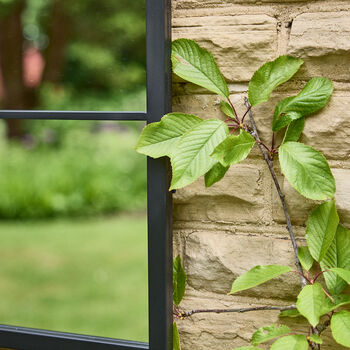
(71,169)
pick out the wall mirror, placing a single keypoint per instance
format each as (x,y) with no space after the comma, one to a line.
(73,97)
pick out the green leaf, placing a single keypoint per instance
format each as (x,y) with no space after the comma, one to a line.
(215,174)
(248,348)
(285,120)
(344,274)
(198,66)
(339,300)
(258,275)
(338,255)
(267,333)
(227,109)
(191,157)
(291,342)
(307,170)
(158,139)
(315,338)
(305,258)
(311,99)
(269,76)
(340,326)
(290,313)
(234,149)
(176,338)
(179,280)
(312,303)
(321,227)
(294,130)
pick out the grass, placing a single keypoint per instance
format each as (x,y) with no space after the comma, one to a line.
(86,276)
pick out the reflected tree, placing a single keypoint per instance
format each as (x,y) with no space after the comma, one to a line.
(60,46)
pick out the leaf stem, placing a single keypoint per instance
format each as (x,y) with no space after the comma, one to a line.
(306,278)
(234,110)
(281,195)
(318,275)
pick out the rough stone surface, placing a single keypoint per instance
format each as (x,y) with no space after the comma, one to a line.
(301,207)
(238,197)
(238,223)
(322,39)
(213,260)
(240,43)
(228,331)
(328,131)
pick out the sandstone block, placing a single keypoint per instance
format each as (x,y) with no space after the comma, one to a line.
(240,43)
(239,197)
(228,331)
(213,260)
(208,106)
(328,131)
(301,207)
(322,39)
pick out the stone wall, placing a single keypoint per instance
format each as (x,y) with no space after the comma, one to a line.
(238,223)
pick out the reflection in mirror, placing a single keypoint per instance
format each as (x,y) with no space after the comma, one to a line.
(72,55)
(73,229)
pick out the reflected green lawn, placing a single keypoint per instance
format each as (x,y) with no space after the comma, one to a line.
(85,276)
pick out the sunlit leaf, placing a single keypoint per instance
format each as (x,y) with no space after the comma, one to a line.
(305,258)
(340,326)
(179,280)
(198,66)
(215,174)
(158,139)
(339,300)
(270,75)
(248,348)
(312,303)
(291,342)
(311,99)
(234,149)
(337,255)
(294,130)
(227,109)
(344,274)
(267,333)
(307,170)
(191,157)
(321,227)
(258,275)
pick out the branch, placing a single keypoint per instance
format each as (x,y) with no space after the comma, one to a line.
(323,326)
(281,195)
(240,310)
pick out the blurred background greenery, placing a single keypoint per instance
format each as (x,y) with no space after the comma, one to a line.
(73,193)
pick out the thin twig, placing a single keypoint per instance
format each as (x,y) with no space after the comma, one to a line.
(248,109)
(281,195)
(240,310)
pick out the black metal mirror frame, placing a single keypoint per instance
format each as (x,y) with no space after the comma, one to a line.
(158,40)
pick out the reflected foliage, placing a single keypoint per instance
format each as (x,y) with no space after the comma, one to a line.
(80,55)
(71,168)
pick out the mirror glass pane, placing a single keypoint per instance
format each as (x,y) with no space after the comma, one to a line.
(73,228)
(84,55)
